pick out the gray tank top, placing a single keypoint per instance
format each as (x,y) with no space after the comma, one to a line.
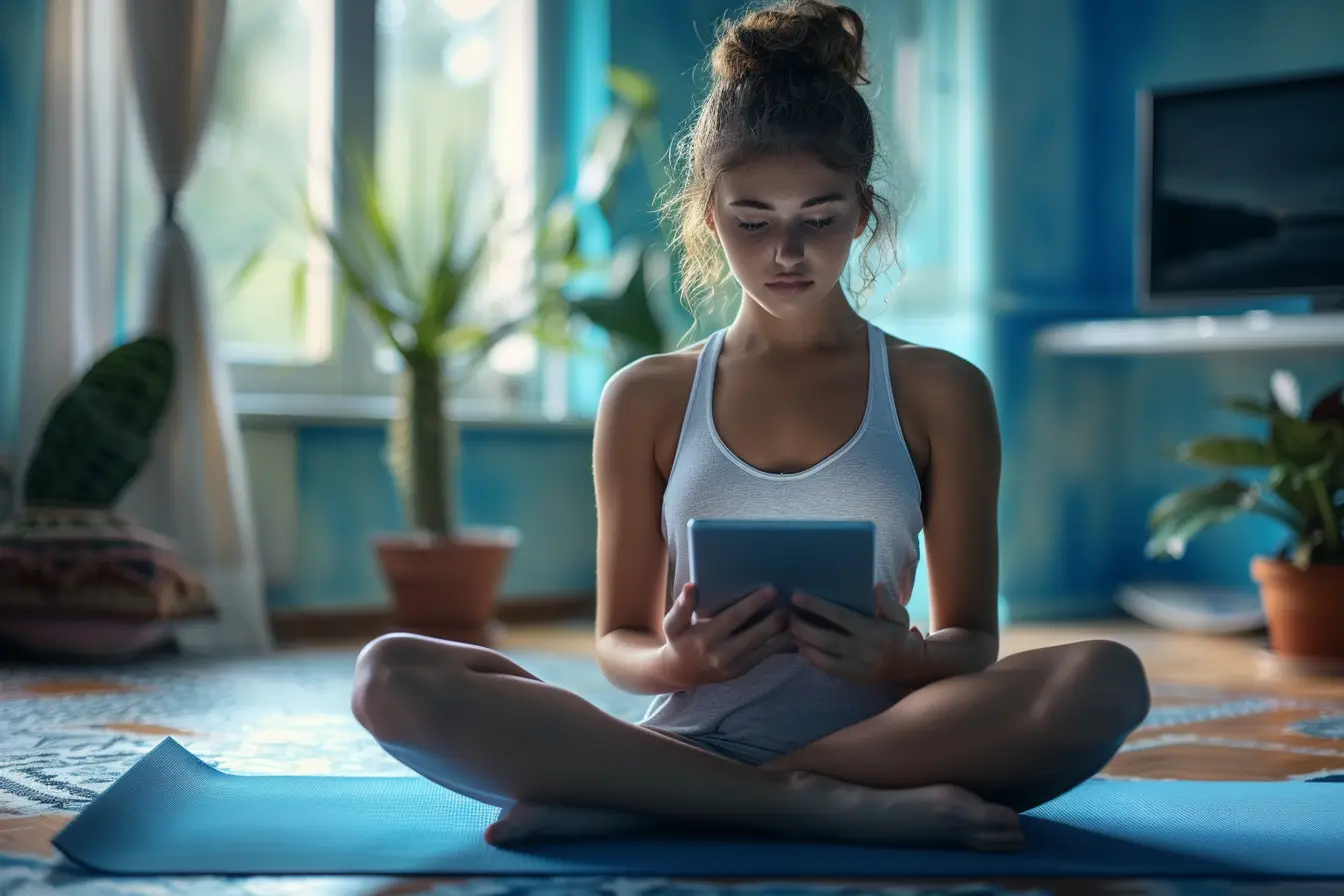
(785,703)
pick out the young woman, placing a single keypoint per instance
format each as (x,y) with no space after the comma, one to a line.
(798,409)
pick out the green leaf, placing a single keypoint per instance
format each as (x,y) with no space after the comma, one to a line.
(1301,441)
(629,314)
(245,272)
(1292,489)
(99,432)
(1181,516)
(611,148)
(374,219)
(558,233)
(633,88)
(1254,407)
(298,294)
(461,338)
(385,308)
(1228,451)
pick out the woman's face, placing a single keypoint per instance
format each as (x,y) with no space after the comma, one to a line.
(786,224)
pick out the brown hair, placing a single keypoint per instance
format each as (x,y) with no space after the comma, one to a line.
(785,79)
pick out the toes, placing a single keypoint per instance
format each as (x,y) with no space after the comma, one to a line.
(513,825)
(998,828)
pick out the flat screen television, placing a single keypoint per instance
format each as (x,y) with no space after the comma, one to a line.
(1241,193)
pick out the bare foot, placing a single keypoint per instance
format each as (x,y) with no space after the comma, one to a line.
(532,822)
(940,815)
(925,816)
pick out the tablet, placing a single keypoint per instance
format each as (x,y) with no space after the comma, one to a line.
(830,559)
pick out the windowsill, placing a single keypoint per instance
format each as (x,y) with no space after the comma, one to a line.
(259,409)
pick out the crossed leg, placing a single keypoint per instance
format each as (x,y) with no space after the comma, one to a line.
(1029,728)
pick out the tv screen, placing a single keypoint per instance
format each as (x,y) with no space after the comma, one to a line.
(1242,192)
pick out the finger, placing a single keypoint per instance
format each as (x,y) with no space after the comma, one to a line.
(751,638)
(733,617)
(678,619)
(820,660)
(840,667)
(830,642)
(841,616)
(756,656)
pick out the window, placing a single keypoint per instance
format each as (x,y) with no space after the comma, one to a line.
(445,76)
(931,110)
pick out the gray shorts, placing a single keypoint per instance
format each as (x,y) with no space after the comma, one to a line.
(746,753)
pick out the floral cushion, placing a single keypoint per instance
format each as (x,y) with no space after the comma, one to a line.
(73,563)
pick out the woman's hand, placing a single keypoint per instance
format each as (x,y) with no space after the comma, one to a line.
(884,648)
(707,651)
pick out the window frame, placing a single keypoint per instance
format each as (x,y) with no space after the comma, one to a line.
(352,368)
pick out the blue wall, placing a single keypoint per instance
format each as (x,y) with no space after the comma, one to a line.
(21,30)
(1086,440)
(538,480)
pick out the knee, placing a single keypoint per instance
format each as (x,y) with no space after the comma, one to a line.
(1100,685)
(389,672)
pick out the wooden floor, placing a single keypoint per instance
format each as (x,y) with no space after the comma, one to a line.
(1264,722)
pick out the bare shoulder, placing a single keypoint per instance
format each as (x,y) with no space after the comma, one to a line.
(643,387)
(939,396)
(646,400)
(939,375)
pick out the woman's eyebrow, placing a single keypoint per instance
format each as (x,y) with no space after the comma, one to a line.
(816,200)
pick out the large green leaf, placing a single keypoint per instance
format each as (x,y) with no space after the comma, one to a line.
(1228,451)
(629,314)
(99,432)
(1183,515)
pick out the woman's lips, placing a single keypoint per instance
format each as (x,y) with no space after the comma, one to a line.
(789,285)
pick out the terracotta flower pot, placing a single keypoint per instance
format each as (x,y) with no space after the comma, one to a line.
(1304,607)
(446,588)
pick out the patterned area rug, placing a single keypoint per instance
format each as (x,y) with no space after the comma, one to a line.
(68,732)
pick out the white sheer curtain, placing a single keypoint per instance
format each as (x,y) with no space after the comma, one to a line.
(194,490)
(72,269)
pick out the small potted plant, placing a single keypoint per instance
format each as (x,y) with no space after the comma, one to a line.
(443,576)
(1301,459)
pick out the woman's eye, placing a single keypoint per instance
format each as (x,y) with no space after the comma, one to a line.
(814,223)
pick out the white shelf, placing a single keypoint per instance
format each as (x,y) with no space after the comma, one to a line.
(1257,331)
(271,409)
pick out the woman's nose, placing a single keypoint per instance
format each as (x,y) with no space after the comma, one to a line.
(789,250)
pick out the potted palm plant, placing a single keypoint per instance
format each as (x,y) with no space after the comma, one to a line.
(444,577)
(1301,459)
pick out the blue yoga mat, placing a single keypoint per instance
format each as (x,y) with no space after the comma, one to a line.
(171,813)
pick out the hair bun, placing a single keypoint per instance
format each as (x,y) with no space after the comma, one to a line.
(795,36)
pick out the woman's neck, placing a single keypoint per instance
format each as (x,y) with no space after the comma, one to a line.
(832,324)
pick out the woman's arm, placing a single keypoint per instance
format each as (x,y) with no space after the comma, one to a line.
(631,550)
(961,527)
